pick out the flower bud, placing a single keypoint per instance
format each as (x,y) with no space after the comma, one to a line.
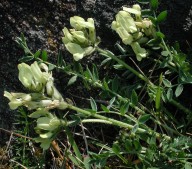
(79,36)
(77,22)
(125,36)
(25,75)
(92,33)
(81,39)
(140,52)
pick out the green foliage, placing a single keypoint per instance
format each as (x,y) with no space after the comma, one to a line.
(23,150)
(154,4)
(135,98)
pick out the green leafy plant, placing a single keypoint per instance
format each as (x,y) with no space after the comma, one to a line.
(135,100)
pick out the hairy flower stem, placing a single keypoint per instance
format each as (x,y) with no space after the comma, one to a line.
(109,54)
(180,106)
(115,122)
(97,84)
(96,121)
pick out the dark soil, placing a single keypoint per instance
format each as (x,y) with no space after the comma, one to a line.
(42,22)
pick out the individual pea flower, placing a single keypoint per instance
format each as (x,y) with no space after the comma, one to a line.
(136,10)
(33,101)
(125,23)
(47,126)
(139,51)
(45,103)
(32,77)
(52,91)
(17,99)
(148,27)
(49,104)
(80,41)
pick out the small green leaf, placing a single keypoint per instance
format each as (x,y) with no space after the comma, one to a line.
(23,38)
(124,108)
(162,17)
(72,80)
(26,58)
(167,83)
(154,4)
(160,78)
(179,90)
(111,102)
(44,55)
(160,35)
(134,98)
(90,74)
(104,108)
(134,129)
(105,84)
(146,13)
(164,97)
(115,84)
(95,73)
(105,61)
(121,49)
(144,118)
(51,67)
(116,148)
(154,42)
(169,94)
(158,99)
(153,20)
(86,162)
(137,145)
(79,67)
(164,53)
(73,144)
(37,54)
(60,61)
(93,104)
(74,160)
(118,66)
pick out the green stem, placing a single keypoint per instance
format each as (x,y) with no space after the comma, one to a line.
(181,107)
(109,54)
(114,122)
(95,121)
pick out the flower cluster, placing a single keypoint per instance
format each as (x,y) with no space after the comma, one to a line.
(47,125)
(32,77)
(44,96)
(133,30)
(81,40)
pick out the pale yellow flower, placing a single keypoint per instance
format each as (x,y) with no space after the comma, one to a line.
(32,77)
(80,41)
